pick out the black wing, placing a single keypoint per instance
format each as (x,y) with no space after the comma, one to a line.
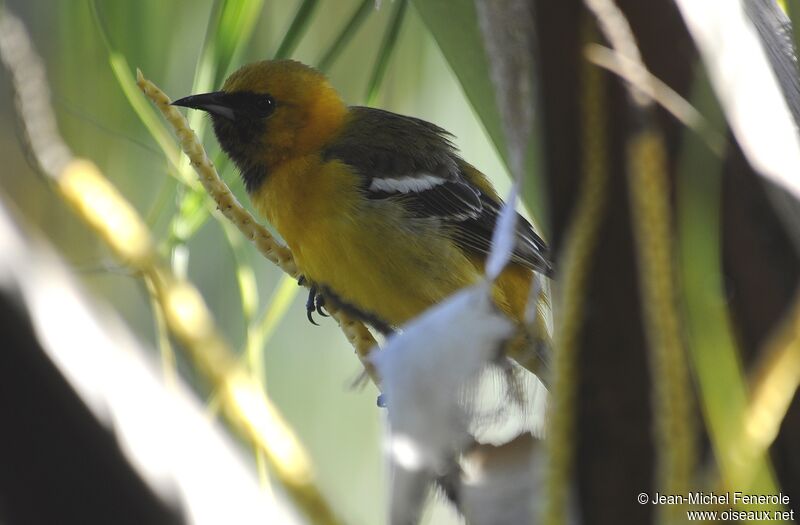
(414,163)
(475,234)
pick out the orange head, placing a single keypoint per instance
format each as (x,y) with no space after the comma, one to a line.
(269,112)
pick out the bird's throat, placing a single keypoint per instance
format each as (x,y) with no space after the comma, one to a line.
(241,142)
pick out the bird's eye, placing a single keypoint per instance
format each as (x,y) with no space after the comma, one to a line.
(264,105)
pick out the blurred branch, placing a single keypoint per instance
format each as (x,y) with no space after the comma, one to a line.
(358,334)
(648,186)
(672,403)
(259,331)
(248,295)
(636,73)
(615,27)
(113,219)
(580,244)
(72,369)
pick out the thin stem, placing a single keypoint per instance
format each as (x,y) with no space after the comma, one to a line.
(385,53)
(297,28)
(350,29)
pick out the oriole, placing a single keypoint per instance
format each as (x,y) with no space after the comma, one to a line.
(382,214)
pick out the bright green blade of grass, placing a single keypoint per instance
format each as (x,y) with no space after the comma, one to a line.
(385,52)
(161,202)
(296,29)
(245,277)
(189,218)
(261,331)
(264,329)
(235,28)
(194,209)
(143,109)
(94,121)
(712,346)
(230,27)
(347,33)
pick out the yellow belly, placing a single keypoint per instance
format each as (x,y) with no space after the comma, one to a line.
(365,251)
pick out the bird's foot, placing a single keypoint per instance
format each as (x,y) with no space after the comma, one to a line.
(315,303)
(311,305)
(319,301)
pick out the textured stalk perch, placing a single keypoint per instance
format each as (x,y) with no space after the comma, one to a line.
(358,334)
(98,204)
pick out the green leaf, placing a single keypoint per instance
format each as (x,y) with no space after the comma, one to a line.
(454,26)
(710,337)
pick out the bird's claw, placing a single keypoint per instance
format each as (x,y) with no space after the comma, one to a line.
(315,301)
(311,305)
(319,302)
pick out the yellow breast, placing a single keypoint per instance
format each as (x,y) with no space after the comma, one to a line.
(366,251)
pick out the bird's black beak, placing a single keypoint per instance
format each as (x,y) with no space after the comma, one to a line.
(216,103)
